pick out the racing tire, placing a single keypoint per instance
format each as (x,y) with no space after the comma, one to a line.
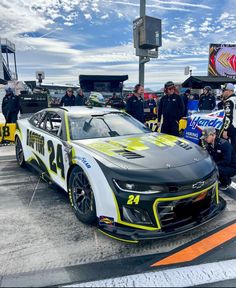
(81,196)
(20,158)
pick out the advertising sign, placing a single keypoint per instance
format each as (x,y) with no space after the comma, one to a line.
(7,132)
(222,60)
(199,121)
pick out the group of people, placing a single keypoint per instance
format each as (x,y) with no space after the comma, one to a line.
(203,103)
(223,150)
(172,107)
(69,99)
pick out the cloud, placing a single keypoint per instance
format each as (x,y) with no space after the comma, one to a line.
(88,16)
(106,16)
(183,4)
(223,16)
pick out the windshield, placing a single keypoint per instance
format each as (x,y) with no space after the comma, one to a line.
(107,125)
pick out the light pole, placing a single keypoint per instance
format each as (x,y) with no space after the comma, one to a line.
(141,58)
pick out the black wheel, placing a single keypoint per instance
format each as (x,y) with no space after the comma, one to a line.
(82,196)
(19,153)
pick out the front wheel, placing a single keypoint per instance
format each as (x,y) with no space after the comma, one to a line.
(19,153)
(82,196)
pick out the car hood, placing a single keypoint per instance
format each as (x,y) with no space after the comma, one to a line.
(145,151)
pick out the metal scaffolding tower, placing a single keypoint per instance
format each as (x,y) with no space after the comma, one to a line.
(7,73)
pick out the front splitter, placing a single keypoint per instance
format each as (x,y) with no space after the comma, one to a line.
(130,235)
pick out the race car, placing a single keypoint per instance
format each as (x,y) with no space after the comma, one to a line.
(134,183)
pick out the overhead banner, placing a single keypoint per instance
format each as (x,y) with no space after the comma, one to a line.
(222,60)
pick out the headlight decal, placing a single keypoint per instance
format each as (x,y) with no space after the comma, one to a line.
(139,187)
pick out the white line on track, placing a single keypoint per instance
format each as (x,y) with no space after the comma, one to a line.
(178,277)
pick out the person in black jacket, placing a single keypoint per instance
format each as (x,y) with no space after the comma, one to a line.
(68,99)
(79,98)
(115,102)
(135,105)
(223,154)
(10,106)
(207,101)
(171,107)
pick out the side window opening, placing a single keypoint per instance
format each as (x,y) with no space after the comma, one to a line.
(52,124)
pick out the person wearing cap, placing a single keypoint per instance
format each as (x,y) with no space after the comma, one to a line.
(171,108)
(68,99)
(207,101)
(79,98)
(223,154)
(229,105)
(10,106)
(135,105)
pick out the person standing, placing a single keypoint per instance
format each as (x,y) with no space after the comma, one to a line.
(222,153)
(229,105)
(207,101)
(151,103)
(68,99)
(10,106)
(79,98)
(185,98)
(135,105)
(171,107)
(115,102)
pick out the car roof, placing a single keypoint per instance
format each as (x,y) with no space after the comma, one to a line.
(84,110)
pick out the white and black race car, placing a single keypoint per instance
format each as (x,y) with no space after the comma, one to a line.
(135,183)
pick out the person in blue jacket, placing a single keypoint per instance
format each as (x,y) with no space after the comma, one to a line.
(207,101)
(68,99)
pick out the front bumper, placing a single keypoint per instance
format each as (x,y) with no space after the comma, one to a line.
(188,213)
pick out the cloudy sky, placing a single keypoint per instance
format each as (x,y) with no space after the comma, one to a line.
(66,38)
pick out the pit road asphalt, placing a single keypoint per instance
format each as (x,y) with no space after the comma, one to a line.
(43,234)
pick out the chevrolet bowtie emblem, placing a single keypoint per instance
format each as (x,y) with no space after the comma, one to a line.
(198,185)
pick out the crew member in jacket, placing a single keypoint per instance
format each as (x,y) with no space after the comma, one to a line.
(79,98)
(68,99)
(171,107)
(229,105)
(10,106)
(207,101)
(223,154)
(135,105)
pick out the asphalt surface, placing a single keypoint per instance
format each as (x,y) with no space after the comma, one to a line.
(42,240)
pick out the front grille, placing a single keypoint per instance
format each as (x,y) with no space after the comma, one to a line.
(209,180)
(177,213)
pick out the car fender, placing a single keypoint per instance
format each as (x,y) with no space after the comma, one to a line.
(103,194)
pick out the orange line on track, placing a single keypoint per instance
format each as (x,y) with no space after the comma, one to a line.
(197,249)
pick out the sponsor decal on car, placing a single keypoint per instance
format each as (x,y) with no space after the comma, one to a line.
(85,162)
(106,220)
(35,141)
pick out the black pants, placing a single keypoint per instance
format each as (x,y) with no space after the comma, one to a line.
(226,172)
(11,117)
(170,127)
(233,141)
